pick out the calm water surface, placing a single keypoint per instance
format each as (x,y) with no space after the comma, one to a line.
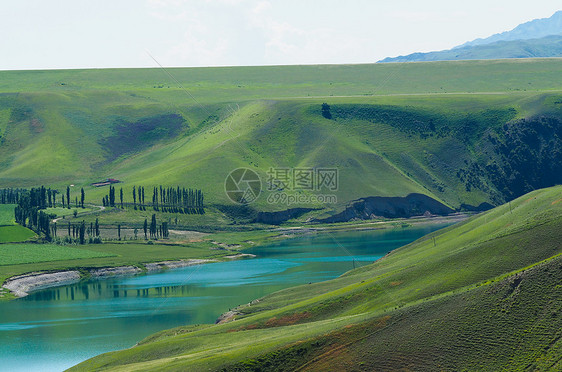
(56,328)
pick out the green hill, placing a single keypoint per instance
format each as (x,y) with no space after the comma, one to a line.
(454,131)
(482,295)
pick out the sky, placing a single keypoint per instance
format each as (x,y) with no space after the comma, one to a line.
(55,34)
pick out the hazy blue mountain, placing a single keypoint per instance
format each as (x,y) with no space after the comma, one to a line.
(549,46)
(537,38)
(534,29)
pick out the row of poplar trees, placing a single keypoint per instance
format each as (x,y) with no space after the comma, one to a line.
(178,200)
(42,197)
(164,199)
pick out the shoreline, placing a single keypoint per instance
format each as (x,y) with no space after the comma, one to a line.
(22,285)
(230,316)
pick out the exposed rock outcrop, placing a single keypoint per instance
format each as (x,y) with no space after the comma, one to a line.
(390,207)
(226,317)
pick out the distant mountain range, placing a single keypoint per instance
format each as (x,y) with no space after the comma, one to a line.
(537,38)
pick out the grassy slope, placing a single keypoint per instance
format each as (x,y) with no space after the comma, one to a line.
(259,117)
(9,231)
(476,297)
(234,84)
(15,234)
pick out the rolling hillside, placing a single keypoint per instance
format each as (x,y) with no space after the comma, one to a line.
(454,131)
(482,295)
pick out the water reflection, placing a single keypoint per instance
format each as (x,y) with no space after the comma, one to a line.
(87,290)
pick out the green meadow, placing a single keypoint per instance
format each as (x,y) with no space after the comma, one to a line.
(15,254)
(61,127)
(9,231)
(15,233)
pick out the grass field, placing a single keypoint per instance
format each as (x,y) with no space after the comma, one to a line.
(466,297)
(7,214)
(16,259)
(270,82)
(15,254)
(60,212)
(397,128)
(9,231)
(15,234)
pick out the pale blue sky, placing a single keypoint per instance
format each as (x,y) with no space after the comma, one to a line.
(38,34)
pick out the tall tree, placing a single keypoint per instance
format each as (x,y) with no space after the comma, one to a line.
(111,196)
(153,226)
(326,111)
(82,196)
(145,228)
(135,197)
(82,232)
(121,196)
(68,196)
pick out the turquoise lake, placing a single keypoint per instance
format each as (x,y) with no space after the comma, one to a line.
(56,328)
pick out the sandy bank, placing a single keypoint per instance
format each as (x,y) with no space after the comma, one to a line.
(115,271)
(22,285)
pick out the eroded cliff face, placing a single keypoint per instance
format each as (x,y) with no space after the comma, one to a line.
(390,207)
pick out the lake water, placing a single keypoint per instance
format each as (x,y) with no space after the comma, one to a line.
(56,328)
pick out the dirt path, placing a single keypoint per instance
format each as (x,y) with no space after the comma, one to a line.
(101,209)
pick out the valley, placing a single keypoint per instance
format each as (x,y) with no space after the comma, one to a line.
(128,172)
